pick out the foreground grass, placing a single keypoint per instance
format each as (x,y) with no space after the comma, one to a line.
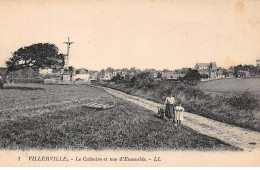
(125,126)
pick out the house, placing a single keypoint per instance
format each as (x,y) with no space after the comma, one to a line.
(67,76)
(45,71)
(114,73)
(124,72)
(93,76)
(132,72)
(166,73)
(81,76)
(49,73)
(104,75)
(153,72)
(203,69)
(229,73)
(220,73)
(61,76)
(175,76)
(207,69)
(171,75)
(243,73)
(184,70)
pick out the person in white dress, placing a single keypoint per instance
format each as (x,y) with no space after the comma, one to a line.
(178,114)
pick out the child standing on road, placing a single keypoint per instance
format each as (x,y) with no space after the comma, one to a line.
(178,114)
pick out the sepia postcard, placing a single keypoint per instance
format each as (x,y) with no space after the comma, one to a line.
(129,83)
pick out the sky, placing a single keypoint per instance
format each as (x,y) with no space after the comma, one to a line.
(143,33)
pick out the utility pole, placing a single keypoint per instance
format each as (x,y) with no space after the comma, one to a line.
(68,51)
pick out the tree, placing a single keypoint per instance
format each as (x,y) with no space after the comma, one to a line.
(143,79)
(36,56)
(210,68)
(81,71)
(225,73)
(192,77)
(116,78)
(250,68)
(110,69)
(159,75)
(236,69)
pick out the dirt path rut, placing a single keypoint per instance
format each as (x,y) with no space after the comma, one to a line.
(243,138)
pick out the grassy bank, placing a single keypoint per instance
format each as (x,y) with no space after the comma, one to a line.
(125,126)
(239,109)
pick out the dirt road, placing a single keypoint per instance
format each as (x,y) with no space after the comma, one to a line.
(243,138)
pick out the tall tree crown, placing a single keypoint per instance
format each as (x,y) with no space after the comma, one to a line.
(36,56)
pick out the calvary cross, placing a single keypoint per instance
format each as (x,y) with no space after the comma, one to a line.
(68,50)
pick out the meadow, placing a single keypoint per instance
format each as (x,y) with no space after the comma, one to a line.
(231,86)
(36,116)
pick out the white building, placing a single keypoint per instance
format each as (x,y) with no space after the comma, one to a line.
(45,71)
(82,77)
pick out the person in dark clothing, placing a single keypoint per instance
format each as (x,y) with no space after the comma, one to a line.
(169,103)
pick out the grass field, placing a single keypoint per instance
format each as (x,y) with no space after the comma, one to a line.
(232,86)
(52,117)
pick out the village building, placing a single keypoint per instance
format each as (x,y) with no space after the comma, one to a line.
(207,70)
(154,73)
(105,75)
(114,73)
(67,75)
(229,73)
(93,76)
(243,74)
(45,71)
(49,73)
(220,73)
(82,76)
(124,73)
(171,75)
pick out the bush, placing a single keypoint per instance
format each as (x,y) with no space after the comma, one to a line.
(205,76)
(1,82)
(243,101)
(142,80)
(28,81)
(116,78)
(192,77)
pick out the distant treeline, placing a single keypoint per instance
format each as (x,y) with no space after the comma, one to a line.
(253,70)
(29,73)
